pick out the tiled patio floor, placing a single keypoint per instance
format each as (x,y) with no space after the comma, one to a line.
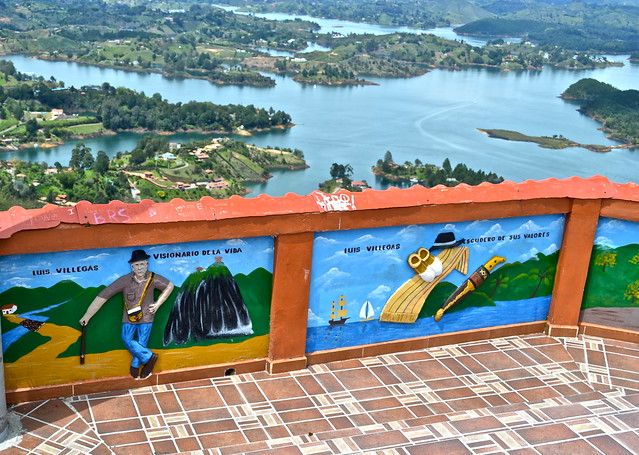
(517,395)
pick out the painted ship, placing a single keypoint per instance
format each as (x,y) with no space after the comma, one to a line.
(338,312)
(367,312)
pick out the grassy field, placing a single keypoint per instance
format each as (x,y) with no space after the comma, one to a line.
(86,129)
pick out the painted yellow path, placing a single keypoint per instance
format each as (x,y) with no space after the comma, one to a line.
(407,301)
(41,366)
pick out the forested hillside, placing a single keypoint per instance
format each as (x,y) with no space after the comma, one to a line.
(618,110)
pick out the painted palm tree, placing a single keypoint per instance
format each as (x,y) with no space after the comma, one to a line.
(499,281)
(545,277)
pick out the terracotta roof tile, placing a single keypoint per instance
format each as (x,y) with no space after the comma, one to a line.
(597,187)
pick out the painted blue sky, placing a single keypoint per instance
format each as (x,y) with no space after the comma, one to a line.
(375,275)
(614,233)
(21,270)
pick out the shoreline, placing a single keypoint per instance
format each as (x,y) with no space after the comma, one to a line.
(24,146)
(146,70)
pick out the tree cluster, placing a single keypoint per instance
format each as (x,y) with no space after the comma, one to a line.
(430,175)
(617,109)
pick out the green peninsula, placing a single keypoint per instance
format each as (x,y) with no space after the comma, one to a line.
(554,142)
(617,110)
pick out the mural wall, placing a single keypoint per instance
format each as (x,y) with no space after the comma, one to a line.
(89,314)
(611,296)
(383,284)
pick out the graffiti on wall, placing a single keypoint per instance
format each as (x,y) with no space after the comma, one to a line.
(611,296)
(89,314)
(384,284)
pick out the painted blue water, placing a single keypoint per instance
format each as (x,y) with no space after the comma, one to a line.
(361,333)
(16,333)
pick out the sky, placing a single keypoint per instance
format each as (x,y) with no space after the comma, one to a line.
(90,268)
(339,269)
(614,233)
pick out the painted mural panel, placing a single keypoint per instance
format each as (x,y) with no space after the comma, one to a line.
(611,296)
(76,315)
(383,284)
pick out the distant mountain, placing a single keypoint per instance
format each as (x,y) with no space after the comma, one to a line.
(589,26)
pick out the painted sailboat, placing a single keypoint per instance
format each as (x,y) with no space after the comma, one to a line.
(338,312)
(367,312)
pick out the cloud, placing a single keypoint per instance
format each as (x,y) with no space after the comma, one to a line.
(314,319)
(612,225)
(182,270)
(479,225)
(97,257)
(320,240)
(494,230)
(19,282)
(339,255)
(334,278)
(551,249)
(235,242)
(412,233)
(381,292)
(528,255)
(365,238)
(604,241)
(530,225)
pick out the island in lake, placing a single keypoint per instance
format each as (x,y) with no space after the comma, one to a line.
(617,110)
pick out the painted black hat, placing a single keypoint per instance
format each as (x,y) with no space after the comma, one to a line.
(138,255)
(445,240)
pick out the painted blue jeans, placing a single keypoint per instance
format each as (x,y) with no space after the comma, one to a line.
(137,346)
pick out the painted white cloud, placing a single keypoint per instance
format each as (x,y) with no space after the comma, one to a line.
(20,282)
(381,292)
(551,249)
(529,226)
(530,254)
(411,233)
(365,238)
(313,319)
(480,225)
(612,226)
(494,230)
(338,256)
(97,257)
(320,240)
(604,241)
(235,242)
(334,278)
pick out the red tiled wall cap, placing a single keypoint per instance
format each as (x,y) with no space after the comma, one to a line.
(208,209)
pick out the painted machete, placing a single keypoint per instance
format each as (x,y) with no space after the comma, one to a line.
(468,286)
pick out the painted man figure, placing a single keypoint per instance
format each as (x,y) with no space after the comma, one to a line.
(140,307)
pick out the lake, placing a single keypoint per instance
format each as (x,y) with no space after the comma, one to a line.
(431,117)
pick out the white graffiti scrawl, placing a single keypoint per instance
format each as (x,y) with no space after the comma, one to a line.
(334,202)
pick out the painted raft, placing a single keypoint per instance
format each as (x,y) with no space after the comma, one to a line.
(407,301)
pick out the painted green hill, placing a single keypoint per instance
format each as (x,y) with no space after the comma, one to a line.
(613,279)
(512,281)
(29,300)
(104,330)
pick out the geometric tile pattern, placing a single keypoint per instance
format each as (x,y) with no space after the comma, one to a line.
(520,395)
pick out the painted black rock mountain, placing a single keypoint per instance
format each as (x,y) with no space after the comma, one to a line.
(208,306)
